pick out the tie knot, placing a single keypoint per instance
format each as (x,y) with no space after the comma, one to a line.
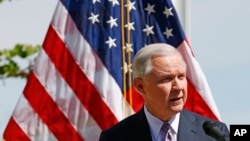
(165,127)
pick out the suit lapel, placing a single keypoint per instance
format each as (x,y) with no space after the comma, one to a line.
(142,127)
(187,131)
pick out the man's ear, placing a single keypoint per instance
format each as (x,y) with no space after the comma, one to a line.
(139,85)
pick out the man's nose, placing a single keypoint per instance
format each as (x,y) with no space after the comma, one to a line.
(177,85)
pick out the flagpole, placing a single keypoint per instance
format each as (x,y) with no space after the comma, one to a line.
(129,61)
(123,58)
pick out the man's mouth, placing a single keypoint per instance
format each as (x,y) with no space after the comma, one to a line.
(175,99)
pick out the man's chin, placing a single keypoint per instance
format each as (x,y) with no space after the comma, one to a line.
(177,108)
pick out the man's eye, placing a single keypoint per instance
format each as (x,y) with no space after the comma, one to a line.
(181,77)
(166,79)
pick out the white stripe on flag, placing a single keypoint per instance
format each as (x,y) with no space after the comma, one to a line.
(197,77)
(30,123)
(64,97)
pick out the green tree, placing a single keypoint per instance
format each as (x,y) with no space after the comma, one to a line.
(11,59)
(3,0)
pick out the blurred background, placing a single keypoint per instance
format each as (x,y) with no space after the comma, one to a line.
(218,33)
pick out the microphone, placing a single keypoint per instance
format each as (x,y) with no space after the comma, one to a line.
(213,130)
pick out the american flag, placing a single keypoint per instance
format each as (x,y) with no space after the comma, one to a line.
(81,83)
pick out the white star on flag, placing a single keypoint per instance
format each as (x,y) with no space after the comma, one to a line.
(127,68)
(128,47)
(150,9)
(130,5)
(111,42)
(168,32)
(112,22)
(148,30)
(94,18)
(130,26)
(114,2)
(168,12)
(94,1)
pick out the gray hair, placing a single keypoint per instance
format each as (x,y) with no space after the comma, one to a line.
(142,60)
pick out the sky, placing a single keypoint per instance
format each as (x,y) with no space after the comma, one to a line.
(219,35)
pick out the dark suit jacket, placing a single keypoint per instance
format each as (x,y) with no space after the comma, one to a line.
(136,128)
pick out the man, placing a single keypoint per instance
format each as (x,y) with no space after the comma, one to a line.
(160,77)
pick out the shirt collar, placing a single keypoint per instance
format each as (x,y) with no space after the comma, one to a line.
(155,123)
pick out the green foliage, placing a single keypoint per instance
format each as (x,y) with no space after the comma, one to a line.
(9,58)
(9,66)
(4,0)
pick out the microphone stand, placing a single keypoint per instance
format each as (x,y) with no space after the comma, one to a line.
(224,138)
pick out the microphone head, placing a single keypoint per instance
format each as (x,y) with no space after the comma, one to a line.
(212,130)
(207,125)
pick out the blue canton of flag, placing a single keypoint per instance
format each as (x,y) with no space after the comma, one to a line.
(100,22)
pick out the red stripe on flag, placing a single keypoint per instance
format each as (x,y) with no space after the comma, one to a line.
(196,103)
(136,100)
(14,133)
(48,110)
(77,80)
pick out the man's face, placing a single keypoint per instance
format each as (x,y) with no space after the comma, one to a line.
(164,88)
